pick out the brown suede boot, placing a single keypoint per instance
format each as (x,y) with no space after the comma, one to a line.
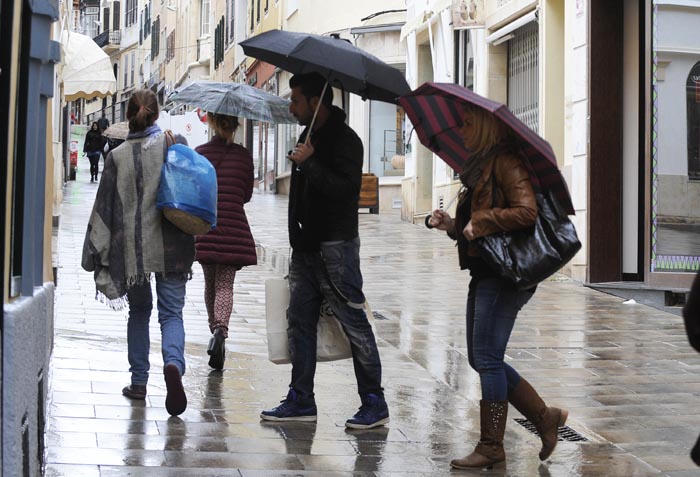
(489,450)
(546,420)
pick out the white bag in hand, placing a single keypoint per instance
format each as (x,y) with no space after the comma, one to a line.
(331,342)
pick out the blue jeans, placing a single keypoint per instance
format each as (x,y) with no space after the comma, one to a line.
(313,276)
(171,300)
(492,306)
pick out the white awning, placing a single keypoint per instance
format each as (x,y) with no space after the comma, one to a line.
(512,26)
(87,70)
(419,21)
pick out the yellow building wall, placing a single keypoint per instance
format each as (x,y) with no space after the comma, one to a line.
(269,20)
(322,17)
(552,101)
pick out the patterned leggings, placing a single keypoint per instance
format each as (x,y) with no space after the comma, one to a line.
(218,295)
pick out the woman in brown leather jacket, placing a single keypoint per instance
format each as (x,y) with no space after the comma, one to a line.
(497,196)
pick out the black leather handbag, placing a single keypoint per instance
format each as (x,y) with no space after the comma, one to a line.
(528,256)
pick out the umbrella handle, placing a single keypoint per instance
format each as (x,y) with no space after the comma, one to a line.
(452,200)
(313,120)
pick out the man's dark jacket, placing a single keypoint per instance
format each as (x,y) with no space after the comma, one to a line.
(103,123)
(325,189)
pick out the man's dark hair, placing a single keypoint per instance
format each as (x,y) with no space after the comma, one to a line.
(311,85)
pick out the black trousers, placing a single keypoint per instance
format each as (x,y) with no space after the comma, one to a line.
(94,158)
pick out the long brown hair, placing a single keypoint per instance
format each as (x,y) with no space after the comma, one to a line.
(488,129)
(142,110)
(488,132)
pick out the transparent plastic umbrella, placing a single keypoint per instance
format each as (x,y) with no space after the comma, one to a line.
(117,130)
(233,99)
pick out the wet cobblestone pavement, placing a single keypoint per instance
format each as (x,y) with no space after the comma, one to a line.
(625,372)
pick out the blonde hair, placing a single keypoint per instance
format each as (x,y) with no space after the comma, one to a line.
(488,129)
(223,125)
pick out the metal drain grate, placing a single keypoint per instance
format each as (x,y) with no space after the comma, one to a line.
(378,316)
(565,432)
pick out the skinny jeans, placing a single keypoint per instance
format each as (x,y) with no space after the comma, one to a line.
(492,307)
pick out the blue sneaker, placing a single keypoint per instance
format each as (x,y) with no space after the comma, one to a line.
(291,409)
(373,412)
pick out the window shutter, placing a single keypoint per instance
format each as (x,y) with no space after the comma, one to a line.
(105,24)
(116,16)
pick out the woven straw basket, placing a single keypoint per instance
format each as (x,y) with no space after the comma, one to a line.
(188,223)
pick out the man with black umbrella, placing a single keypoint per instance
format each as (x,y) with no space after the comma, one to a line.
(325,264)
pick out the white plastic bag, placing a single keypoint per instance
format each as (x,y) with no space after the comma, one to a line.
(331,342)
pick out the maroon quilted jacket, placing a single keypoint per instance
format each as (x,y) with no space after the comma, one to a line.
(231,242)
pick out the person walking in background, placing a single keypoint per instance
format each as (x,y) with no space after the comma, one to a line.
(128,242)
(94,142)
(498,197)
(325,262)
(229,246)
(103,123)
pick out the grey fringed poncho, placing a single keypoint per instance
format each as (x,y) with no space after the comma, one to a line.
(127,238)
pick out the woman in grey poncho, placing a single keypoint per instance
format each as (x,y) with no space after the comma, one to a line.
(128,241)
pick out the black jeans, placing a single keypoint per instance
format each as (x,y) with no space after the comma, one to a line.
(94,158)
(314,276)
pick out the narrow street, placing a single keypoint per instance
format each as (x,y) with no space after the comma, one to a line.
(625,372)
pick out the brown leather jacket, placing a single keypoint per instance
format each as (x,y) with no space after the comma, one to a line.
(513,208)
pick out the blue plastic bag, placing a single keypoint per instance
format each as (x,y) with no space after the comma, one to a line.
(188,183)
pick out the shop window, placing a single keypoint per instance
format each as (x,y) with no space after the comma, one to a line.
(675,143)
(464,59)
(289,133)
(387,133)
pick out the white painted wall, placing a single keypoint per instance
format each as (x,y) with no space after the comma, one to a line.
(188,124)
(576,118)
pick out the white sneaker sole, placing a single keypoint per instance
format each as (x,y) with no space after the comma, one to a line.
(292,418)
(368,426)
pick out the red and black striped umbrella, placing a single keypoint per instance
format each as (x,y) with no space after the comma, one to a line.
(436,111)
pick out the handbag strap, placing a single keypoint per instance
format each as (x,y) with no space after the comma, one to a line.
(169,137)
(169,141)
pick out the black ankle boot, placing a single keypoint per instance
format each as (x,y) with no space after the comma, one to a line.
(217,349)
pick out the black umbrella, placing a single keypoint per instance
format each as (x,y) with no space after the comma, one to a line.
(344,66)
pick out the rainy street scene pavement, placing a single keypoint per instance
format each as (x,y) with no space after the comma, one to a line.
(625,372)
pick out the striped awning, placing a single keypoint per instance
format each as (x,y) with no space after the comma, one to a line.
(87,70)
(436,111)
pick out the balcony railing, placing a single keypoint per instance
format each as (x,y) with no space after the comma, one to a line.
(109,37)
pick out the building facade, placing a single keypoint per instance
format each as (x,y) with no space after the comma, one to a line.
(27,82)
(376,29)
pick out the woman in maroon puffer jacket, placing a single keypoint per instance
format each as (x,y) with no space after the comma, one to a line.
(230,246)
